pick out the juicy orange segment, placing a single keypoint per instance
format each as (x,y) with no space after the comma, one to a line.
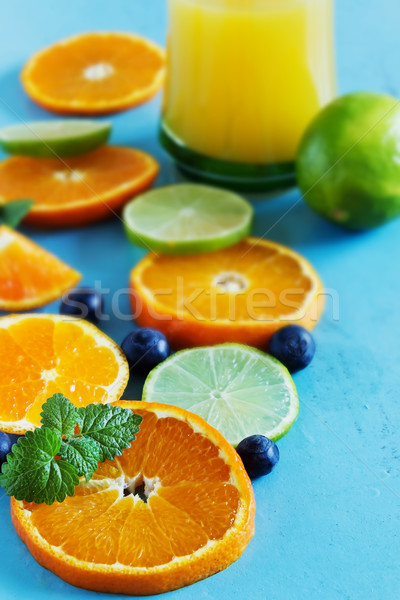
(29,275)
(77,190)
(95,73)
(240,294)
(41,355)
(182,527)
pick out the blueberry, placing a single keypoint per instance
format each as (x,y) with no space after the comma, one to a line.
(293,346)
(145,349)
(259,455)
(5,446)
(85,303)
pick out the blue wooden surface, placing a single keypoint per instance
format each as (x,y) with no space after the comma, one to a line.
(327,522)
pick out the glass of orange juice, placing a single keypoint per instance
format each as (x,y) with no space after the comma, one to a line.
(244,79)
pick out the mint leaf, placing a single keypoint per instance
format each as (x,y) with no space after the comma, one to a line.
(60,415)
(12,213)
(32,473)
(113,427)
(83,453)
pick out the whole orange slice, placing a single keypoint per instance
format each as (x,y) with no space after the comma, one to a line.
(29,275)
(79,190)
(42,354)
(176,507)
(241,294)
(95,73)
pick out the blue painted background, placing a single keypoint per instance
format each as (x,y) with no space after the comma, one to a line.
(327,524)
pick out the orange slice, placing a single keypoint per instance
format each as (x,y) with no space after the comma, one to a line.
(29,275)
(42,354)
(241,294)
(95,73)
(79,190)
(194,515)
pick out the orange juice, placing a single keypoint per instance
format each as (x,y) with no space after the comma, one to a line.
(245,77)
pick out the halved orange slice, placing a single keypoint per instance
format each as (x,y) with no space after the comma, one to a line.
(30,276)
(176,507)
(78,190)
(95,73)
(42,354)
(240,294)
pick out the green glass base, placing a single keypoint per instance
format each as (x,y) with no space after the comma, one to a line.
(238,176)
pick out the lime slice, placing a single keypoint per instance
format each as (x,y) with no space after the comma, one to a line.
(238,390)
(51,139)
(187,219)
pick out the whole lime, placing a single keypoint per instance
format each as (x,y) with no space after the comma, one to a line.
(348,163)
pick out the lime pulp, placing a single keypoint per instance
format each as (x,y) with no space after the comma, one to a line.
(187,219)
(54,139)
(238,390)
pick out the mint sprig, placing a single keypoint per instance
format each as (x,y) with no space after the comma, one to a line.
(60,415)
(12,212)
(83,454)
(111,427)
(45,465)
(33,474)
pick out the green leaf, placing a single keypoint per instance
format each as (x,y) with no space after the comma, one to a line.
(60,415)
(83,453)
(32,473)
(113,427)
(12,213)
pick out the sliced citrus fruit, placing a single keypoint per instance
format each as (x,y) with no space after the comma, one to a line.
(95,73)
(238,390)
(176,507)
(49,139)
(79,190)
(240,294)
(187,218)
(29,275)
(42,354)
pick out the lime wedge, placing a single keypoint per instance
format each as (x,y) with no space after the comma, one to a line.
(52,139)
(238,390)
(187,219)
